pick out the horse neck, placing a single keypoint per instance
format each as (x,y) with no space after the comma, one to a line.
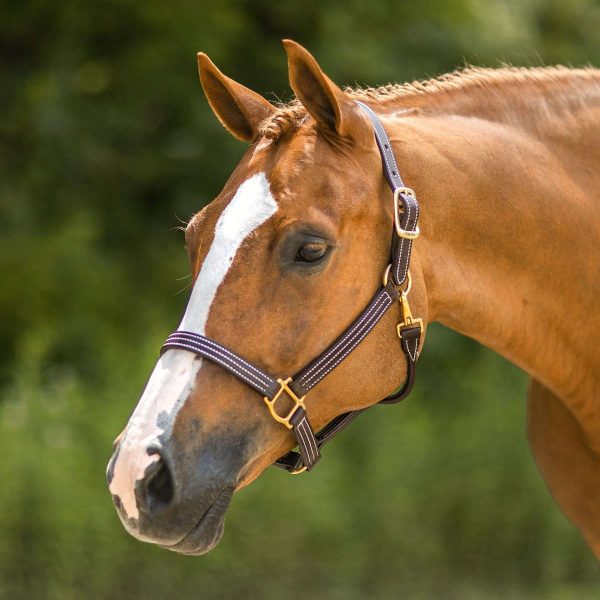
(510,227)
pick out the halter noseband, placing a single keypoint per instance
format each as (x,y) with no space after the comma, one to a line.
(405,230)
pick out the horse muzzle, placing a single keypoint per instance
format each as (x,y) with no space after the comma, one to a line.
(180,500)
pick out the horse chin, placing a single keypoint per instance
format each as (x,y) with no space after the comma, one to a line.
(199,541)
(207,533)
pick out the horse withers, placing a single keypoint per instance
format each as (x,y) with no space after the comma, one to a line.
(505,166)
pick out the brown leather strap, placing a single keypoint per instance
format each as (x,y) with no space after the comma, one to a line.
(410,339)
(307,444)
(333,355)
(250,374)
(409,216)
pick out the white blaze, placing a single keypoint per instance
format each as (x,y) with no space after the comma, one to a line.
(175,373)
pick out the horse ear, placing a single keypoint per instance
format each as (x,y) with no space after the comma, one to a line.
(331,108)
(238,108)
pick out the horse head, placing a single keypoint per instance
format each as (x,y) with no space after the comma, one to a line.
(283,260)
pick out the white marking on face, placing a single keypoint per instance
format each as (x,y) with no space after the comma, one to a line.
(175,373)
(166,391)
(251,206)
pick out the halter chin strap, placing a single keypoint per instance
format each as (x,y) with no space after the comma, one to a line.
(292,391)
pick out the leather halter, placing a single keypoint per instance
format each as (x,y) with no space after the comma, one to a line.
(405,230)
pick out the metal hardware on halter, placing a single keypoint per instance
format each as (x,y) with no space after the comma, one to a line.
(299,470)
(298,403)
(407,317)
(386,277)
(403,233)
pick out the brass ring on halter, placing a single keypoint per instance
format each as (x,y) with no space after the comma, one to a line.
(386,275)
(403,233)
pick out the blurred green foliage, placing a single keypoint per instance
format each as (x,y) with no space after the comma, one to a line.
(105,145)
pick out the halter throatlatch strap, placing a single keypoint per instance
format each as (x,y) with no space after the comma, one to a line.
(278,391)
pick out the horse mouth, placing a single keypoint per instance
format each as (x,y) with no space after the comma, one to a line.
(208,531)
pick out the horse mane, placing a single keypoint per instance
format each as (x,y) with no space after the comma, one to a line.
(437,91)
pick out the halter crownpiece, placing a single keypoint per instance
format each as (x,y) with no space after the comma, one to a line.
(404,232)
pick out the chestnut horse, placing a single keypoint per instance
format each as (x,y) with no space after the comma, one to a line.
(506,166)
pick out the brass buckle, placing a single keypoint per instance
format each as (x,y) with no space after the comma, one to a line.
(284,387)
(403,233)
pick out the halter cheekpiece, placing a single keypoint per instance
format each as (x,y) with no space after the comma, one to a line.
(395,287)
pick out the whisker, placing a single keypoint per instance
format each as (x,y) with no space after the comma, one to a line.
(187,287)
(184,223)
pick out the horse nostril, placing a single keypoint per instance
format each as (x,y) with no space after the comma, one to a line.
(159,486)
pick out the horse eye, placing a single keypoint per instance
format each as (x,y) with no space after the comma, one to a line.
(311,252)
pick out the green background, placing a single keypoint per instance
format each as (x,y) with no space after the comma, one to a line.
(106,146)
